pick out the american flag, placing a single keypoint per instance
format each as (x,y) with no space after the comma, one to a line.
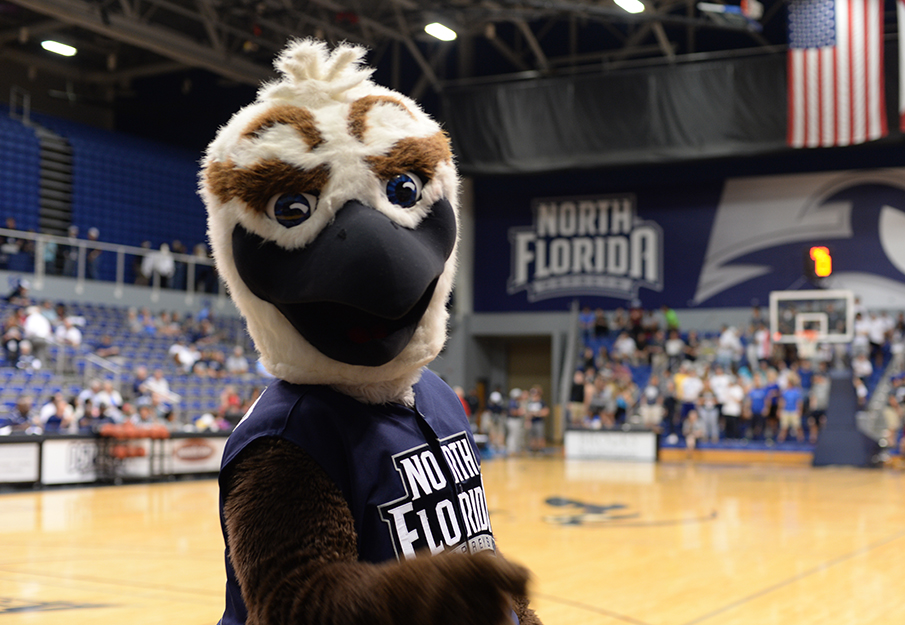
(836,94)
(900,10)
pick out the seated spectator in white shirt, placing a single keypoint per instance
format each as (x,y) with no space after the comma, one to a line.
(68,334)
(237,363)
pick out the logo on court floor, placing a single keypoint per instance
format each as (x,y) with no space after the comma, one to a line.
(595,245)
(581,513)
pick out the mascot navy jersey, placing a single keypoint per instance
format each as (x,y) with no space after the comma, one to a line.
(411,477)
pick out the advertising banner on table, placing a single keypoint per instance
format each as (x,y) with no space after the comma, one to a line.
(20,462)
(722,244)
(68,460)
(195,455)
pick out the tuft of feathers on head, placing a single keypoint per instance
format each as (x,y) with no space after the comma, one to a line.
(311,70)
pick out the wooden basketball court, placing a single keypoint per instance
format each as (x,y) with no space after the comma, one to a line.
(668,544)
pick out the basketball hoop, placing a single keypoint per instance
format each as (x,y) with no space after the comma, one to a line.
(806,340)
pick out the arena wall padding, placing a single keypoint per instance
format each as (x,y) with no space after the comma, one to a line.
(841,442)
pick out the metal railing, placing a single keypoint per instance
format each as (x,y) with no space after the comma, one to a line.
(84,245)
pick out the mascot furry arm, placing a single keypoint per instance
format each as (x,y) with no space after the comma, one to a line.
(332,212)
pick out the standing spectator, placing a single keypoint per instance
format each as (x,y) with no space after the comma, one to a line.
(601,324)
(496,429)
(790,409)
(709,414)
(51,250)
(537,412)
(515,421)
(731,409)
(670,318)
(729,347)
(93,256)
(576,400)
(586,325)
(160,264)
(862,368)
(9,246)
(138,263)
(674,349)
(757,406)
(70,252)
(180,272)
(625,348)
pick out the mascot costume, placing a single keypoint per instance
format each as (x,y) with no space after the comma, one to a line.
(332,214)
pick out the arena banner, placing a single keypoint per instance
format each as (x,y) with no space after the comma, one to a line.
(719,244)
(19,461)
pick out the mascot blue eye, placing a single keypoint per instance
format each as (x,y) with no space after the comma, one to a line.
(291,209)
(404,190)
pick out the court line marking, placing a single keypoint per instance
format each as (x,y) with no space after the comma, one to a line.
(590,608)
(116,582)
(786,582)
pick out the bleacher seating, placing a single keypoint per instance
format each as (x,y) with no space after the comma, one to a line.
(198,394)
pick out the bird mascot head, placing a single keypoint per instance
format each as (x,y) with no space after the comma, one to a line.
(332,206)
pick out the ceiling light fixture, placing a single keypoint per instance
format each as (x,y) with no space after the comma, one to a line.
(58,48)
(441,32)
(630,6)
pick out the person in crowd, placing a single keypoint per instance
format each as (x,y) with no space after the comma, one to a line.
(157,384)
(674,349)
(601,324)
(159,266)
(180,272)
(105,348)
(237,363)
(19,295)
(757,406)
(95,386)
(536,413)
(146,415)
(496,420)
(576,399)
(625,348)
(861,392)
(515,421)
(862,367)
(27,360)
(693,431)
(57,416)
(230,407)
(70,252)
(167,326)
(731,408)
(791,400)
(818,402)
(68,334)
(12,335)
(21,417)
(184,356)
(93,255)
(139,383)
(650,406)
(38,331)
(709,414)
(670,318)
(109,396)
(138,261)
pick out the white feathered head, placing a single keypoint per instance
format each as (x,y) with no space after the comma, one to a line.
(332,210)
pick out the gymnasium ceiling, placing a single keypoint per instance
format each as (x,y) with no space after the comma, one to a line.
(120,41)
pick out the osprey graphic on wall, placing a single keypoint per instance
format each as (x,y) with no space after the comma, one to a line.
(444,508)
(594,245)
(861,215)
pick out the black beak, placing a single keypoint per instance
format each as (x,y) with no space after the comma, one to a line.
(358,291)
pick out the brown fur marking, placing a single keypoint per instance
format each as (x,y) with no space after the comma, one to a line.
(255,185)
(293,546)
(358,113)
(421,155)
(299,118)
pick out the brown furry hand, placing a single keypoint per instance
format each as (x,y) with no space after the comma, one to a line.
(452,589)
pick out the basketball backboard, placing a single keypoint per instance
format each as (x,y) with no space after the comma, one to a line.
(829,313)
